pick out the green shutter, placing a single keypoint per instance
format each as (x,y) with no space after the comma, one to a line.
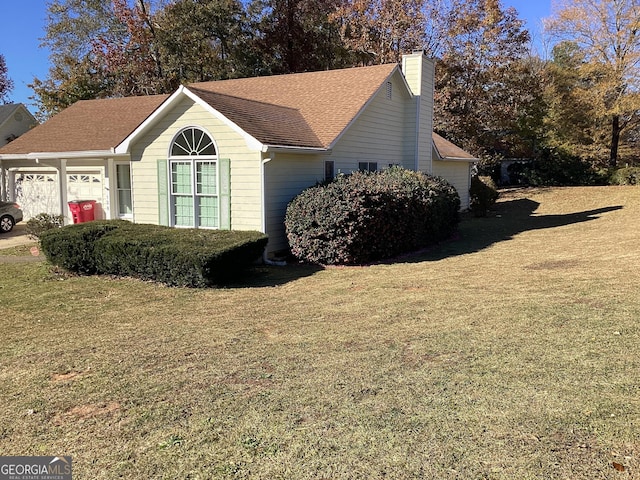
(225,194)
(163,192)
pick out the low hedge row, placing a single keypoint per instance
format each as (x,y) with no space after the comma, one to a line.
(176,257)
(625,176)
(363,217)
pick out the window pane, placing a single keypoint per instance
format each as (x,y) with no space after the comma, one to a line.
(181,178)
(123,187)
(183,211)
(368,166)
(124,202)
(207,148)
(328,170)
(208,212)
(180,146)
(206,178)
(123,172)
(192,142)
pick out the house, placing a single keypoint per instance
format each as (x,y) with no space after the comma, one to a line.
(233,153)
(15,120)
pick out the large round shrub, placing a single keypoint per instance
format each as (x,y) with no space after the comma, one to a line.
(363,217)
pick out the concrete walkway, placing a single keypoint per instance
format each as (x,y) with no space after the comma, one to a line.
(17,236)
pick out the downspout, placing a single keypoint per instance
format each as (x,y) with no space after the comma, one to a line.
(263,186)
(417,138)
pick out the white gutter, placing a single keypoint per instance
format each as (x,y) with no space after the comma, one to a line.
(57,155)
(457,159)
(291,149)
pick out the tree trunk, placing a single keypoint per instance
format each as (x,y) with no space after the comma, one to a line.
(615,141)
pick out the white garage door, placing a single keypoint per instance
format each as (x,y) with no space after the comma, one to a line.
(36,192)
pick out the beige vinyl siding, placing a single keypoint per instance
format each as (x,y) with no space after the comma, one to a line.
(154,145)
(18,123)
(379,133)
(9,129)
(286,176)
(458,174)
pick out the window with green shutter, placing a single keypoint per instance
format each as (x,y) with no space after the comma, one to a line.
(194,181)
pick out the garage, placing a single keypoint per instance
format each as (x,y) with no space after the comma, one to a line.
(36,190)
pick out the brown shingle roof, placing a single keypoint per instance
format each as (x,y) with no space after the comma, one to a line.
(271,124)
(300,110)
(326,102)
(87,125)
(449,151)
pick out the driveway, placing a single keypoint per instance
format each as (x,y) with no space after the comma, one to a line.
(17,236)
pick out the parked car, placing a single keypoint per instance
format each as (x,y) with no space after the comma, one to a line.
(10,214)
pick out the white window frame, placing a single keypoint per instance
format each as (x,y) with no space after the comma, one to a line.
(193,161)
(126,216)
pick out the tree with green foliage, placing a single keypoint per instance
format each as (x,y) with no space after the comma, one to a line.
(206,40)
(607,33)
(571,121)
(488,97)
(297,35)
(105,48)
(71,27)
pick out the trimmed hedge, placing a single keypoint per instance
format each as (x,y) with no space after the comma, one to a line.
(176,257)
(483,193)
(363,217)
(73,247)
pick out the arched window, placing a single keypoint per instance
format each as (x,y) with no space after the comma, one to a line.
(194,180)
(192,142)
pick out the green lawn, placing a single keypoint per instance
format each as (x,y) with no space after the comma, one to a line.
(512,352)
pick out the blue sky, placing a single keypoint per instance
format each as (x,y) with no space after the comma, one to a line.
(23,26)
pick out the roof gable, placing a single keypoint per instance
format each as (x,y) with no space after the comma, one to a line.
(7,110)
(87,125)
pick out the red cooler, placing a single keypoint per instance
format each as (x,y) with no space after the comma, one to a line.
(82,210)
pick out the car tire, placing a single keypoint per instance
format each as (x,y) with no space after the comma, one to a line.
(6,224)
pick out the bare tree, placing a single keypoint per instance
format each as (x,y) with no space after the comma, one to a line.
(6,84)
